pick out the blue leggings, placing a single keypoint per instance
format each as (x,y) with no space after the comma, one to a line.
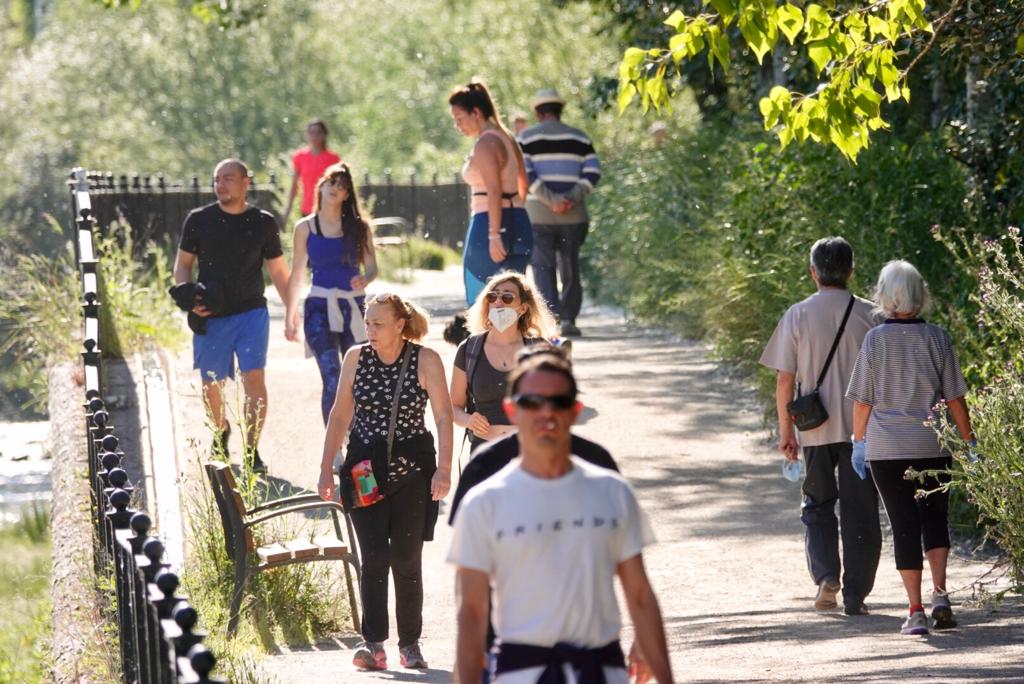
(477,265)
(328,346)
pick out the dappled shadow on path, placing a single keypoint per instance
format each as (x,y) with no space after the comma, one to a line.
(750,501)
(980,628)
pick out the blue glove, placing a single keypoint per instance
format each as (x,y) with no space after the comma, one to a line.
(859,461)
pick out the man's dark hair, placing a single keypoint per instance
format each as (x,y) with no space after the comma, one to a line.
(832,259)
(317,122)
(548,361)
(549,108)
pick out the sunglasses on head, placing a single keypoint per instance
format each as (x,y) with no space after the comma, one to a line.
(506,297)
(533,402)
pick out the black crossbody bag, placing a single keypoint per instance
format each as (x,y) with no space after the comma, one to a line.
(808,411)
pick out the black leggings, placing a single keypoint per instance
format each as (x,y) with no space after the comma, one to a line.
(914,520)
(391,537)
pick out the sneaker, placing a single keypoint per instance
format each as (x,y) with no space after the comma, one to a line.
(220,442)
(370,655)
(855,609)
(412,657)
(826,598)
(942,611)
(916,623)
(569,329)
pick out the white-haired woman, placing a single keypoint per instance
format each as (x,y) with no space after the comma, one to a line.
(906,368)
(507,315)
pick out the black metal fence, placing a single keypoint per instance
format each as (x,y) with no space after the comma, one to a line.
(155,207)
(157,630)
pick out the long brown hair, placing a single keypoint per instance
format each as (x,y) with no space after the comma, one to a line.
(352,221)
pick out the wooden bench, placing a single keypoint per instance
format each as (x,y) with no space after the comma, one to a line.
(249,559)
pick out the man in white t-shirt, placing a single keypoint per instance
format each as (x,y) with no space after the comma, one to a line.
(548,533)
(798,351)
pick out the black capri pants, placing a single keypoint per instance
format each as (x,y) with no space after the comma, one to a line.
(915,521)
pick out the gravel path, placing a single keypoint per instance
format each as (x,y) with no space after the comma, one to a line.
(728,569)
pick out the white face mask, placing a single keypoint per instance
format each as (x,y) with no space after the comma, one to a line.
(502,318)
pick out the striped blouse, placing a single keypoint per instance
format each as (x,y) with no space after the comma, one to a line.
(905,368)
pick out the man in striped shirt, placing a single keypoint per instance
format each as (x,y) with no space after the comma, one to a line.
(562,169)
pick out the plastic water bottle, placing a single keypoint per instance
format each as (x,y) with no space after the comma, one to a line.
(793,470)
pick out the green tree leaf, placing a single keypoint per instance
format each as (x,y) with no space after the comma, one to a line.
(718,41)
(790,21)
(675,20)
(726,9)
(818,23)
(820,54)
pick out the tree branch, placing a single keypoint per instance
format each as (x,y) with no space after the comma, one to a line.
(936,29)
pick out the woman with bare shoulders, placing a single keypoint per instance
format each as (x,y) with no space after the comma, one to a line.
(336,241)
(392,475)
(500,237)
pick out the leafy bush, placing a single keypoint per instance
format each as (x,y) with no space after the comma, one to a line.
(995,481)
(713,234)
(393,261)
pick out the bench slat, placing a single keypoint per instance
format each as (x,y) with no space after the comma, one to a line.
(301,548)
(331,546)
(273,553)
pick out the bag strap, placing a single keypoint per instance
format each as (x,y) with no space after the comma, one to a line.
(474,347)
(835,343)
(394,400)
(316,222)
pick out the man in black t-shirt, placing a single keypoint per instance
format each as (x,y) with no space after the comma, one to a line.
(230,240)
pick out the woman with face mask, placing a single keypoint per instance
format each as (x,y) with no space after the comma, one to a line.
(507,315)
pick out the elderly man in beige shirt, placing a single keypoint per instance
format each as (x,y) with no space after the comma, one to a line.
(797,351)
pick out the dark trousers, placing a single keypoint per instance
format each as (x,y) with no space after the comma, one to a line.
(557,249)
(390,536)
(858,513)
(915,521)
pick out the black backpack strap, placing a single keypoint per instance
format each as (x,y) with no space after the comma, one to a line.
(835,343)
(316,226)
(474,348)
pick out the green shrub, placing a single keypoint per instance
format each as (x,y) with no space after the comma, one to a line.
(994,483)
(712,234)
(394,262)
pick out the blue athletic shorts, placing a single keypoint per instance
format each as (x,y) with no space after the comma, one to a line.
(245,335)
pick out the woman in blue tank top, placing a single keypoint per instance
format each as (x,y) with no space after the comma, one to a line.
(337,243)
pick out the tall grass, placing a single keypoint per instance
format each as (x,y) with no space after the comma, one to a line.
(296,604)
(41,317)
(25,597)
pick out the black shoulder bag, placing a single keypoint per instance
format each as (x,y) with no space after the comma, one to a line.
(808,412)
(366,481)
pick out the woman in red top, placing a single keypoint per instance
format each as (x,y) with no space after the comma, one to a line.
(309,164)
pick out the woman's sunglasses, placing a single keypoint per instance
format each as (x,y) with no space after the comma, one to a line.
(338,181)
(506,297)
(533,402)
